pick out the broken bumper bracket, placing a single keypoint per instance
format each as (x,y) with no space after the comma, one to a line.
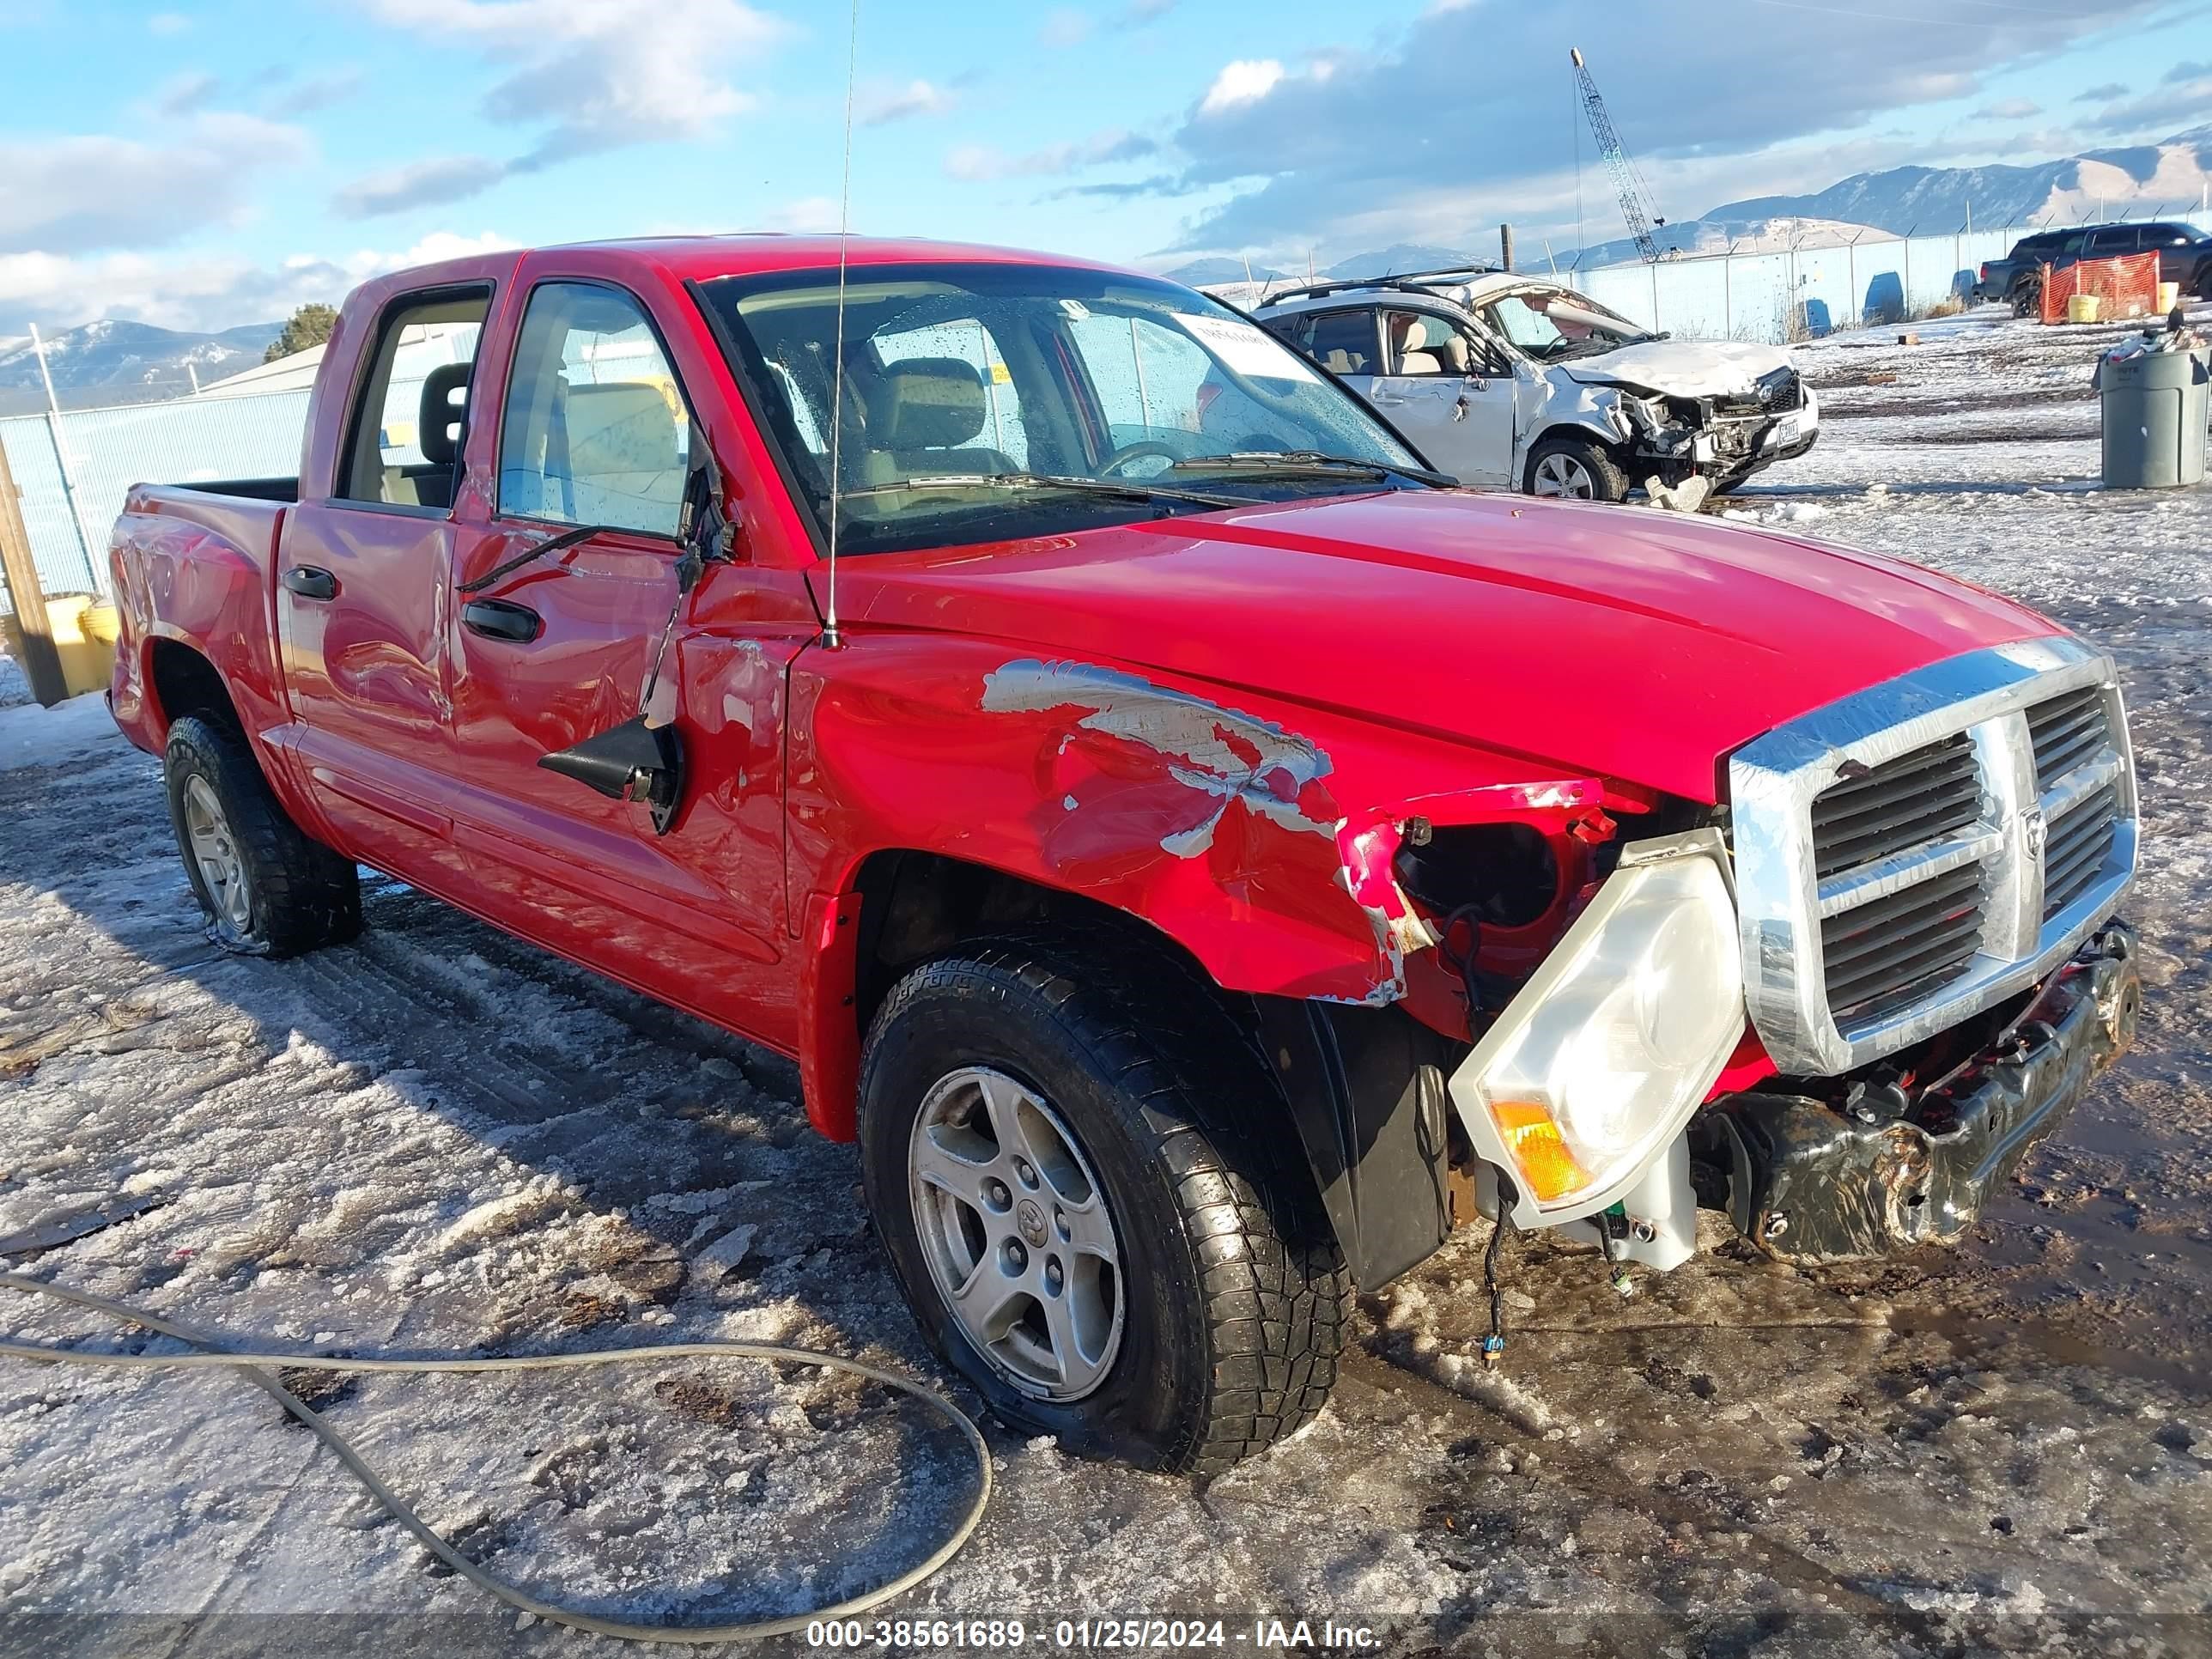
(1809,1184)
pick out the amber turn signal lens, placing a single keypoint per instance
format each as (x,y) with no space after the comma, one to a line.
(1540,1152)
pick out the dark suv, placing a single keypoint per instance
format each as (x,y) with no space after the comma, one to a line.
(2185,256)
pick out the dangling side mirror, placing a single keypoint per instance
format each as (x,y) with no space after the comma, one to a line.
(636,761)
(630,762)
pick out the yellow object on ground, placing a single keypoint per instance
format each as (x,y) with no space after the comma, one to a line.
(84,639)
(2169,296)
(2084,308)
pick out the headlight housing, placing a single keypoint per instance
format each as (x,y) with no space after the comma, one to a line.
(1596,1066)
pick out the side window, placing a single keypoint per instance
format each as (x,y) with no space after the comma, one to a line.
(409,422)
(1522,324)
(1343,340)
(1423,344)
(595,430)
(2115,239)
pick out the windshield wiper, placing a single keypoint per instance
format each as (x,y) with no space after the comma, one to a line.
(1131,490)
(1312,461)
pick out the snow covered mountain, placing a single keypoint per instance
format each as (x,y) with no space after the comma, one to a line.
(113,362)
(2142,180)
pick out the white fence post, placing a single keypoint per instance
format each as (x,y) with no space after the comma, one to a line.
(69,491)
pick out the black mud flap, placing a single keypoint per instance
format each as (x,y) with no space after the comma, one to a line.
(1366,1092)
(1809,1184)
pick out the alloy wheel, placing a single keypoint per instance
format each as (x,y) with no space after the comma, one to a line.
(1561,475)
(214,851)
(1015,1227)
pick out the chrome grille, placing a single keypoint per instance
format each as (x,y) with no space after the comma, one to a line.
(2065,731)
(1884,954)
(2079,843)
(1911,855)
(1897,805)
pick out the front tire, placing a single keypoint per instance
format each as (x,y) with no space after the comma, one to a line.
(267,888)
(1574,470)
(1072,1177)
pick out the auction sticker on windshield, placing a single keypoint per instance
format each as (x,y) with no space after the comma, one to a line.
(1244,349)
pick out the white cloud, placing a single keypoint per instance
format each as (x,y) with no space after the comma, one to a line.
(166,23)
(601,74)
(183,94)
(1244,82)
(1064,27)
(316,92)
(429,183)
(1298,154)
(74,194)
(979,163)
(205,292)
(879,105)
(2007,109)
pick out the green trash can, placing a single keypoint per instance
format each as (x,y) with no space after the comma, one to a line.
(2155,404)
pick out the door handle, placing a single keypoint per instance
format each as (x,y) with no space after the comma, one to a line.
(501,619)
(311,582)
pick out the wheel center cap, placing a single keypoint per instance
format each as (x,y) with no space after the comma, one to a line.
(1029,1216)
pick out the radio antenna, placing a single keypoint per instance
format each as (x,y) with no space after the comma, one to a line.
(830,637)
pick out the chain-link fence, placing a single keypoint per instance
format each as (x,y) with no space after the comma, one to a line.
(1801,291)
(1777,294)
(73,469)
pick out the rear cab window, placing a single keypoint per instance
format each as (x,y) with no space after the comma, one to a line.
(410,414)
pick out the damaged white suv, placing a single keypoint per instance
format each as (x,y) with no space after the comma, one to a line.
(1511,381)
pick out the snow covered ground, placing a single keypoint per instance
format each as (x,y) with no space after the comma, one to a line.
(438,1138)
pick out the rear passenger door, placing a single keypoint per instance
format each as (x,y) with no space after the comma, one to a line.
(362,584)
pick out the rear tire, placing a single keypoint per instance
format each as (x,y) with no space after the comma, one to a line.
(2027,298)
(1574,469)
(267,888)
(1228,1296)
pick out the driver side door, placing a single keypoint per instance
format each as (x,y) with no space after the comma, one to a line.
(593,428)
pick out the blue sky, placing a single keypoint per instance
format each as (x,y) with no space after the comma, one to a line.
(208,164)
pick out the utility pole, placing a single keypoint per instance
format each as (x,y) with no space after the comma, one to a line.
(1505,246)
(42,663)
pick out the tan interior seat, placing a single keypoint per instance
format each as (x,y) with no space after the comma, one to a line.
(923,414)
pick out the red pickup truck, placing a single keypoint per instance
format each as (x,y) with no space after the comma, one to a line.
(1201,859)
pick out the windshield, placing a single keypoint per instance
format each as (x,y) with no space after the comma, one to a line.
(985,402)
(1552,324)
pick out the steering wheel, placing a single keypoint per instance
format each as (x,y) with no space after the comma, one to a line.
(1140,449)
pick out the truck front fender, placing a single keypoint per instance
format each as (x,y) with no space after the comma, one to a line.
(1258,836)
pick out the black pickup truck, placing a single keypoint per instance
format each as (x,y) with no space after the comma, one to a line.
(2185,256)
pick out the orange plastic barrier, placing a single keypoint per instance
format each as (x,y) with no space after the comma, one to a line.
(2128,286)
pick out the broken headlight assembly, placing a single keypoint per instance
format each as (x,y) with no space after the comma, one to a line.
(1596,1066)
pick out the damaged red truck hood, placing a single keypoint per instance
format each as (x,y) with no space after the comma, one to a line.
(1635,646)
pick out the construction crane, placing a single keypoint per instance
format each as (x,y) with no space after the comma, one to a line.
(1634,196)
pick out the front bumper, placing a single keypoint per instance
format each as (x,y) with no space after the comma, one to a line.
(1808,1184)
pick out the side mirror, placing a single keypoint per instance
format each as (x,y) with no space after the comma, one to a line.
(630,762)
(701,526)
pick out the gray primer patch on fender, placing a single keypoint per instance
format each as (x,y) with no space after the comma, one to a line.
(1204,744)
